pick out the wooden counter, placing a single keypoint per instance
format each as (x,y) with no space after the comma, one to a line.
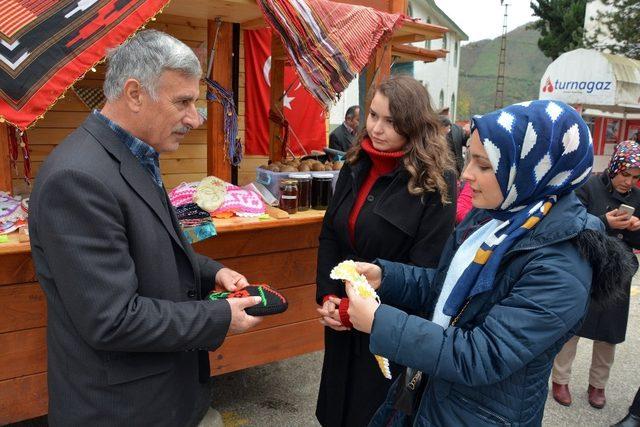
(281,253)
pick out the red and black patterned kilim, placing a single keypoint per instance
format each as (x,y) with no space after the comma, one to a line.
(46,45)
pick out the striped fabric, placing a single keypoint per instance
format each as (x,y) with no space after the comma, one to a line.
(16,14)
(539,151)
(329,43)
(47,45)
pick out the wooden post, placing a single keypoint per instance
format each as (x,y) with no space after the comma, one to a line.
(276,77)
(5,160)
(378,69)
(380,66)
(217,163)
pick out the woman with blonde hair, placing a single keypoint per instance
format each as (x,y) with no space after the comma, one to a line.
(394,199)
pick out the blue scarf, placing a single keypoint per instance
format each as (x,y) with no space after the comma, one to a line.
(539,151)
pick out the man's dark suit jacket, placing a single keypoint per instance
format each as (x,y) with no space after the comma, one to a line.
(124,290)
(341,139)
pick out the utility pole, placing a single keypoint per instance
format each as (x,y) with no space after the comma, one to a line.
(502,61)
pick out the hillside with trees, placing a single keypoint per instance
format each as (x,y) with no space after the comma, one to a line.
(479,65)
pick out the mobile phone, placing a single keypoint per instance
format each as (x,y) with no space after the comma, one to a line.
(628,210)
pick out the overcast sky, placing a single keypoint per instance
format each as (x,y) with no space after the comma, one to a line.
(482,19)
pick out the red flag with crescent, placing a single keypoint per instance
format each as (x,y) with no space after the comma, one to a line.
(306,116)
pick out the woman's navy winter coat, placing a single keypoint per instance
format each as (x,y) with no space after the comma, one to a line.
(493,366)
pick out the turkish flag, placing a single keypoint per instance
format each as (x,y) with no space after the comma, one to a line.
(306,116)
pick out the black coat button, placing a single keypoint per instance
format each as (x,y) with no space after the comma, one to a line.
(191,293)
(370,198)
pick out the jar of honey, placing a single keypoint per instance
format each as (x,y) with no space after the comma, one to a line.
(304,190)
(289,195)
(321,191)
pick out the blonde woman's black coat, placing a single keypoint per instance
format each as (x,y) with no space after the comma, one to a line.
(394,225)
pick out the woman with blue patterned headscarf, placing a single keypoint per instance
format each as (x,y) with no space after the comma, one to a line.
(512,285)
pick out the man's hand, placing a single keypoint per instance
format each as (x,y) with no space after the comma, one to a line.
(634,224)
(330,315)
(361,310)
(230,280)
(372,272)
(618,220)
(240,320)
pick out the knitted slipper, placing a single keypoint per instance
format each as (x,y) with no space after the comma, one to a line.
(272,301)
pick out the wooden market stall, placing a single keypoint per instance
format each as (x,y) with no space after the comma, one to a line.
(279,252)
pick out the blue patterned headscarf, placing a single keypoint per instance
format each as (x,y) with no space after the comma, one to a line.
(539,151)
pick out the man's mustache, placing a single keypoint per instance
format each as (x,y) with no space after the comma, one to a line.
(182,129)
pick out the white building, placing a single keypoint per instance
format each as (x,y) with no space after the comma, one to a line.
(439,77)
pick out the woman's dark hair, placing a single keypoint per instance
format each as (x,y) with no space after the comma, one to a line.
(427,156)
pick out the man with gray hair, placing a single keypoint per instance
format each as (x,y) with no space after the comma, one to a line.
(128,326)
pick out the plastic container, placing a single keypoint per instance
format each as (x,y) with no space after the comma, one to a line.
(271,180)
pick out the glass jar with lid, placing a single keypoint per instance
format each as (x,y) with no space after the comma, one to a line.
(289,195)
(321,190)
(304,190)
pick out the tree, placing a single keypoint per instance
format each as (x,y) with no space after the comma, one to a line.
(618,30)
(561,25)
(464,105)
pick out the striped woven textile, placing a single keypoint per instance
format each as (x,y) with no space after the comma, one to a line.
(329,43)
(46,45)
(16,14)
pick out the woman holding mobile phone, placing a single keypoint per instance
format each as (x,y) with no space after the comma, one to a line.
(615,199)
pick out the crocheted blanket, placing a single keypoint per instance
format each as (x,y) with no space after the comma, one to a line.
(217,197)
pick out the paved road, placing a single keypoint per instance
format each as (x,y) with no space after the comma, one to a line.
(623,382)
(284,393)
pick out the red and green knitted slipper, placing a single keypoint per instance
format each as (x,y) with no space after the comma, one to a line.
(272,301)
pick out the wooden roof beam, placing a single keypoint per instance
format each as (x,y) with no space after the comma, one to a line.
(227,10)
(408,53)
(420,30)
(409,38)
(253,24)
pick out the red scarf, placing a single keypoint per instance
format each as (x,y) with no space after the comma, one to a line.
(381,164)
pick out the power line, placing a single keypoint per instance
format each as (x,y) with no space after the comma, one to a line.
(502,61)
